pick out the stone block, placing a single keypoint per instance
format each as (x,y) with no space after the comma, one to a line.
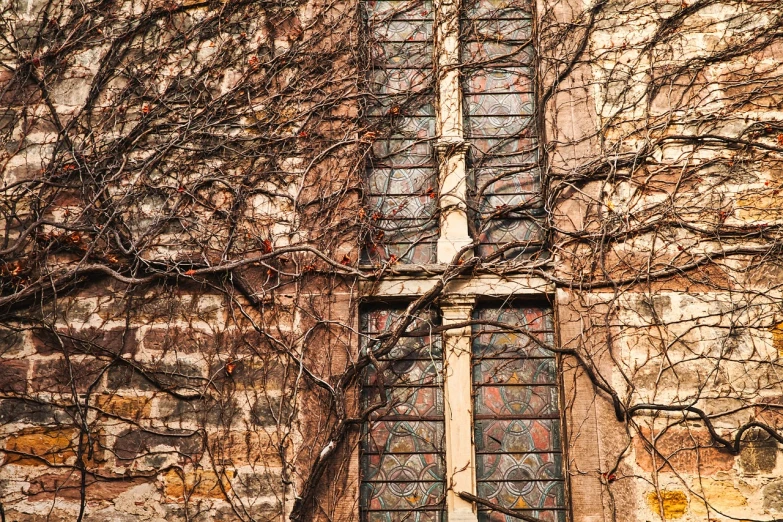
(682,450)
(249,448)
(126,407)
(35,446)
(721,495)
(773,496)
(96,341)
(61,375)
(758,453)
(11,342)
(669,504)
(187,340)
(248,373)
(13,376)
(34,412)
(148,376)
(67,486)
(135,443)
(200,484)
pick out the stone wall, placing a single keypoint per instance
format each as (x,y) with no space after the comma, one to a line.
(195,364)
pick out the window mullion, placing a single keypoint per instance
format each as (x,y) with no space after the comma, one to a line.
(451,148)
(460,459)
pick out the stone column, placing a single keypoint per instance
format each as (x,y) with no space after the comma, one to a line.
(460,459)
(451,143)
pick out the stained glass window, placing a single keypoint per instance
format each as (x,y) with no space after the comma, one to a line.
(401,186)
(516,415)
(402,459)
(498,100)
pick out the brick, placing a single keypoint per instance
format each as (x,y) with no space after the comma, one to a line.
(267,411)
(266,483)
(687,451)
(13,376)
(135,443)
(127,407)
(759,206)
(770,411)
(53,445)
(203,484)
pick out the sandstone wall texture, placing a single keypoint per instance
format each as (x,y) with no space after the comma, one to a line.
(181,277)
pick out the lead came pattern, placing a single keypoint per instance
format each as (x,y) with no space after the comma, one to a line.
(401,175)
(499,121)
(516,413)
(402,460)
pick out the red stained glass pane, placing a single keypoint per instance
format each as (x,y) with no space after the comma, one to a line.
(402,461)
(517,425)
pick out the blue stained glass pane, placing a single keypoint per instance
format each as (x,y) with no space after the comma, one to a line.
(532,319)
(406,515)
(403,467)
(499,119)
(502,152)
(400,114)
(399,495)
(401,54)
(520,180)
(495,53)
(403,436)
